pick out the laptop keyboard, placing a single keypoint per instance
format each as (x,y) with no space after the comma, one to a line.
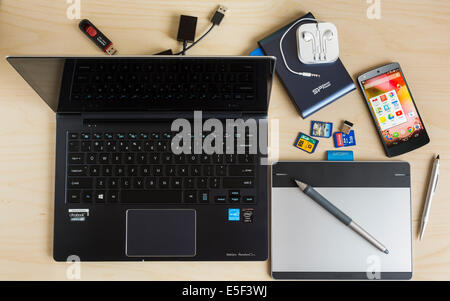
(139,167)
(170,82)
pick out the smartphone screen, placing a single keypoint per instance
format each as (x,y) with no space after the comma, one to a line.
(391,103)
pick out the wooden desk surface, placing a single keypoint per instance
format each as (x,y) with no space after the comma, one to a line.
(414,33)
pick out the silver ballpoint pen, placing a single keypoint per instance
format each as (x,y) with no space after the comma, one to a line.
(431,188)
(336,212)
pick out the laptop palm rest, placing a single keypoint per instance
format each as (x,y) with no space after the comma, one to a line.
(161,233)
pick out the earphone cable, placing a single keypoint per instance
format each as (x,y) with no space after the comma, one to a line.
(307,74)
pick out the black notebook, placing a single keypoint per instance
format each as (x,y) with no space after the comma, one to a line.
(308,93)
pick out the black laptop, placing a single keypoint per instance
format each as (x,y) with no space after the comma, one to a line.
(121,191)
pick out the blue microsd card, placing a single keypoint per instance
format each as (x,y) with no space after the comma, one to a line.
(234,214)
(306,143)
(336,155)
(321,129)
(341,139)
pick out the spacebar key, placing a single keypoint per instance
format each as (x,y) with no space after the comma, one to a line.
(151,196)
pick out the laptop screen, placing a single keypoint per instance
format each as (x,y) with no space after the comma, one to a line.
(152,83)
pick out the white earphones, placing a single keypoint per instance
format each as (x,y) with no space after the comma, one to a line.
(309,37)
(327,36)
(325,39)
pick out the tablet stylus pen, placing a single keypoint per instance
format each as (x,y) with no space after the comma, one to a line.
(430,193)
(319,199)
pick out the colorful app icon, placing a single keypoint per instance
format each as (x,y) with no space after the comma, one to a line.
(417,126)
(390,116)
(391,95)
(411,114)
(395,134)
(399,113)
(386,108)
(375,99)
(410,129)
(383,97)
(388,137)
(395,103)
(382,119)
(379,110)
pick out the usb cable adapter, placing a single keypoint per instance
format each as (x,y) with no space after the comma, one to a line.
(216,19)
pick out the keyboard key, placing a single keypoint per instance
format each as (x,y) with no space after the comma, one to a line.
(141,158)
(125,183)
(157,170)
(87,196)
(151,197)
(183,170)
(94,170)
(214,182)
(103,158)
(132,171)
(192,159)
(145,170)
(73,136)
(177,182)
(235,199)
(221,170)
(76,158)
(73,196)
(85,136)
(150,183)
(164,182)
(110,146)
(112,196)
(113,182)
(79,182)
(138,183)
(241,170)
(202,182)
(107,170)
(119,171)
(246,158)
(248,199)
(233,193)
(92,158)
(190,196)
(130,158)
(196,170)
(179,159)
(100,183)
(74,146)
(189,182)
(217,158)
(208,170)
(238,182)
(100,196)
(171,170)
(230,158)
(77,170)
(167,158)
(204,196)
(154,158)
(221,199)
(86,146)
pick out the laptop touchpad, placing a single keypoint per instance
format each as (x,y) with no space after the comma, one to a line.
(161,232)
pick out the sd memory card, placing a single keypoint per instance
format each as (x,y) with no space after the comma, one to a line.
(306,143)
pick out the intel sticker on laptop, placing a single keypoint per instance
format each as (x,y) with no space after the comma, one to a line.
(234,214)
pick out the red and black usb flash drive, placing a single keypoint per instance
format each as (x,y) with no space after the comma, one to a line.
(97,37)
